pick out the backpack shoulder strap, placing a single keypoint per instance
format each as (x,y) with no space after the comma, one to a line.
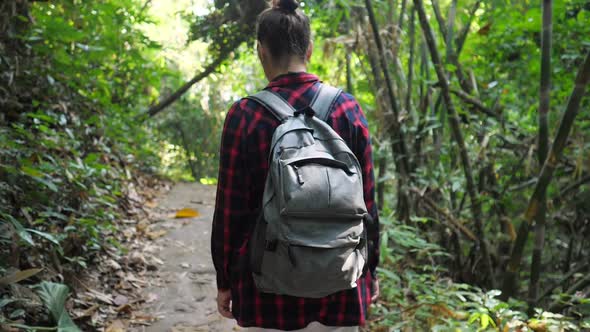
(324,100)
(273,102)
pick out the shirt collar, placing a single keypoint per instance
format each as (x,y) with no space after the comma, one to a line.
(292,78)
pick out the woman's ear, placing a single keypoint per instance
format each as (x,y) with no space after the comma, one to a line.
(259,50)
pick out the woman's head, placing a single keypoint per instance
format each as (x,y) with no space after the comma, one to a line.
(284,35)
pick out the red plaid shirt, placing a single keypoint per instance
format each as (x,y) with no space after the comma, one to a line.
(245,145)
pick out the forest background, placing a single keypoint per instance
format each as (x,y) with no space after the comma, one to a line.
(477,112)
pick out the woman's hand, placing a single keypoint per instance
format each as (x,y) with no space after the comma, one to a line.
(223,303)
(374,290)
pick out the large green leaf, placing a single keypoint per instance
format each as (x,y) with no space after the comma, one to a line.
(20,230)
(54,297)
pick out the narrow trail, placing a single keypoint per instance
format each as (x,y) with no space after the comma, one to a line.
(184,297)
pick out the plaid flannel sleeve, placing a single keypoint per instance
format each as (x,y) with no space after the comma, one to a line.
(364,152)
(232,195)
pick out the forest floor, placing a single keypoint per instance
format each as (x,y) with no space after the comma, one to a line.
(183,289)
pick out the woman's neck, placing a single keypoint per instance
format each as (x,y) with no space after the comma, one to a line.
(293,67)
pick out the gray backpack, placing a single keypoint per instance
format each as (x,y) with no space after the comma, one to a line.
(310,238)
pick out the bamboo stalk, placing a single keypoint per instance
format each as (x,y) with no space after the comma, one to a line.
(465,31)
(458,136)
(402,15)
(567,120)
(399,142)
(544,100)
(411,60)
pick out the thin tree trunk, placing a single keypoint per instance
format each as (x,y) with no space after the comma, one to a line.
(439,18)
(411,62)
(348,61)
(398,137)
(571,110)
(376,83)
(187,152)
(450,31)
(456,130)
(465,31)
(348,73)
(425,101)
(399,148)
(544,100)
(402,14)
(447,33)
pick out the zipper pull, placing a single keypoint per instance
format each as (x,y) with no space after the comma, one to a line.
(299,178)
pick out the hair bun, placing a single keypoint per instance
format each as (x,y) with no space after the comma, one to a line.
(288,5)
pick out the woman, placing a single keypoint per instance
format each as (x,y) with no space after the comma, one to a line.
(284,49)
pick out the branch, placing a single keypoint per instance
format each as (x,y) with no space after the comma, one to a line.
(183,89)
(580,284)
(561,281)
(567,190)
(446,214)
(475,102)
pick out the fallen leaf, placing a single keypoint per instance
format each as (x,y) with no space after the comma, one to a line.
(156,234)
(116,326)
(120,300)
(18,276)
(151,204)
(187,213)
(100,296)
(142,226)
(151,297)
(88,312)
(125,308)
(113,264)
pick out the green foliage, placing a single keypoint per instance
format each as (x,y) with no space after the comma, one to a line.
(54,297)
(80,73)
(417,295)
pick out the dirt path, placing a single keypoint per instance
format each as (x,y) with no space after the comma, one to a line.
(184,300)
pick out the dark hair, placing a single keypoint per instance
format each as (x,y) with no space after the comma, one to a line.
(284,29)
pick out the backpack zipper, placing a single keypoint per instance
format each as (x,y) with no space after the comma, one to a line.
(299,178)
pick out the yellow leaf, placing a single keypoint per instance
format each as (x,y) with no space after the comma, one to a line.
(187,213)
(538,326)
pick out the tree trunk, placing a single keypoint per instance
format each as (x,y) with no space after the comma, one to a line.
(544,100)
(457,134)
(411,64)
